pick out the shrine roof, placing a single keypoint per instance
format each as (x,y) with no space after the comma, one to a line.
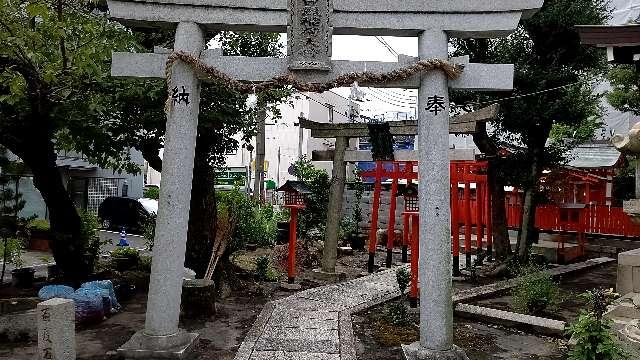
(597,155)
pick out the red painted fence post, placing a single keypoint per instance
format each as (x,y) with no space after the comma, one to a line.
(373,233)
(293,226)
(455,220)
(415,244)
(391,228)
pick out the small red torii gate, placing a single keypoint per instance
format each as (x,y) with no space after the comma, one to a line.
(462,172)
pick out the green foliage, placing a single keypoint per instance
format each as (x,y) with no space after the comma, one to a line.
(624,96)
(398,314)
(152,192)
(347,229)
(149,231)
(592,333)
(358,187)
(126,252)
(264,270)
(145,263)
(255,224)
(313,218)
(41,225)
(403,277)
(89,233)
(535,292)
(12,248)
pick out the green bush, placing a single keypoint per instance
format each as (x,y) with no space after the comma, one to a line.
(39,225)
(403,277)
(145,263)
(149,231)
(13,251)
(152,192)
(535,292)
(264,270)
(592,333)
(89,234)
(255,224)
(398,314)
(314,215)
(126,252)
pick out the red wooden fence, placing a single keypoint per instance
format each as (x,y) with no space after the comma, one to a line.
(594,219)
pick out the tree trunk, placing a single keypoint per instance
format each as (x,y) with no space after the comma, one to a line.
(500,232)
(67,244)
(528,233)
(202,217)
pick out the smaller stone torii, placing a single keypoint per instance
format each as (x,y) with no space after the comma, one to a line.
(464,124)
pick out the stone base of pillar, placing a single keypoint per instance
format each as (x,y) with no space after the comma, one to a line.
(143,346)
(329,277)
(416,352)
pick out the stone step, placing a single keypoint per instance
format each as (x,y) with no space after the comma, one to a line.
(510,319)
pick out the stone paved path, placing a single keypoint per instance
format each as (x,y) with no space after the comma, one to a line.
(315,324)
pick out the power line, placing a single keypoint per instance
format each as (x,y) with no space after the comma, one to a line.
(404,102)
(386,45)
(527,95)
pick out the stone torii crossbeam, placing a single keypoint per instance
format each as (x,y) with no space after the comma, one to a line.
(310,25)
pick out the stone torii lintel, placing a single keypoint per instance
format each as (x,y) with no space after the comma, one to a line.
(459,125)
(476,77)
(459,18)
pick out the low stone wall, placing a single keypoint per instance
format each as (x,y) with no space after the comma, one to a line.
(628,272)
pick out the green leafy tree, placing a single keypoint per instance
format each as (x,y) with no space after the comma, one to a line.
(547,54)
(625,95)
(54,62)
(314,217)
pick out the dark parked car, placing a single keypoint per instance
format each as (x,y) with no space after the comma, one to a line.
(115,212)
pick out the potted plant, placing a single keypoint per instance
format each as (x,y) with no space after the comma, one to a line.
(39,230)
(125,258)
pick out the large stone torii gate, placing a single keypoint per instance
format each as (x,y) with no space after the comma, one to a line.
(310,25)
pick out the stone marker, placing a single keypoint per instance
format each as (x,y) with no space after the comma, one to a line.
(56,330)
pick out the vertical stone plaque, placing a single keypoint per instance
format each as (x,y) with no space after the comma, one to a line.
(56,330)
(309,34)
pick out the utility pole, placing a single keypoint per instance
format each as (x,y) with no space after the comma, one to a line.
(258,185)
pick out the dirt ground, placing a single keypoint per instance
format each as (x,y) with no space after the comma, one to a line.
(378,340)
(222,334)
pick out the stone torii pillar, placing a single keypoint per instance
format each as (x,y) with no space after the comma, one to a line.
(310,25)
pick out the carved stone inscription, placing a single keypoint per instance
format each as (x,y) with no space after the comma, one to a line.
(309,34)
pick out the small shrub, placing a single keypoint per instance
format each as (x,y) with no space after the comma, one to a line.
(126,252)
(40,225)
(152,192)
(145,263)
(398,314)
(149,232)
(256,224)
(535,292)
(403,277)
(592,333)
(264,270)
(13,251)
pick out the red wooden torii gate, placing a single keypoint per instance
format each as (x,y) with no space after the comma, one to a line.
(463,173)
